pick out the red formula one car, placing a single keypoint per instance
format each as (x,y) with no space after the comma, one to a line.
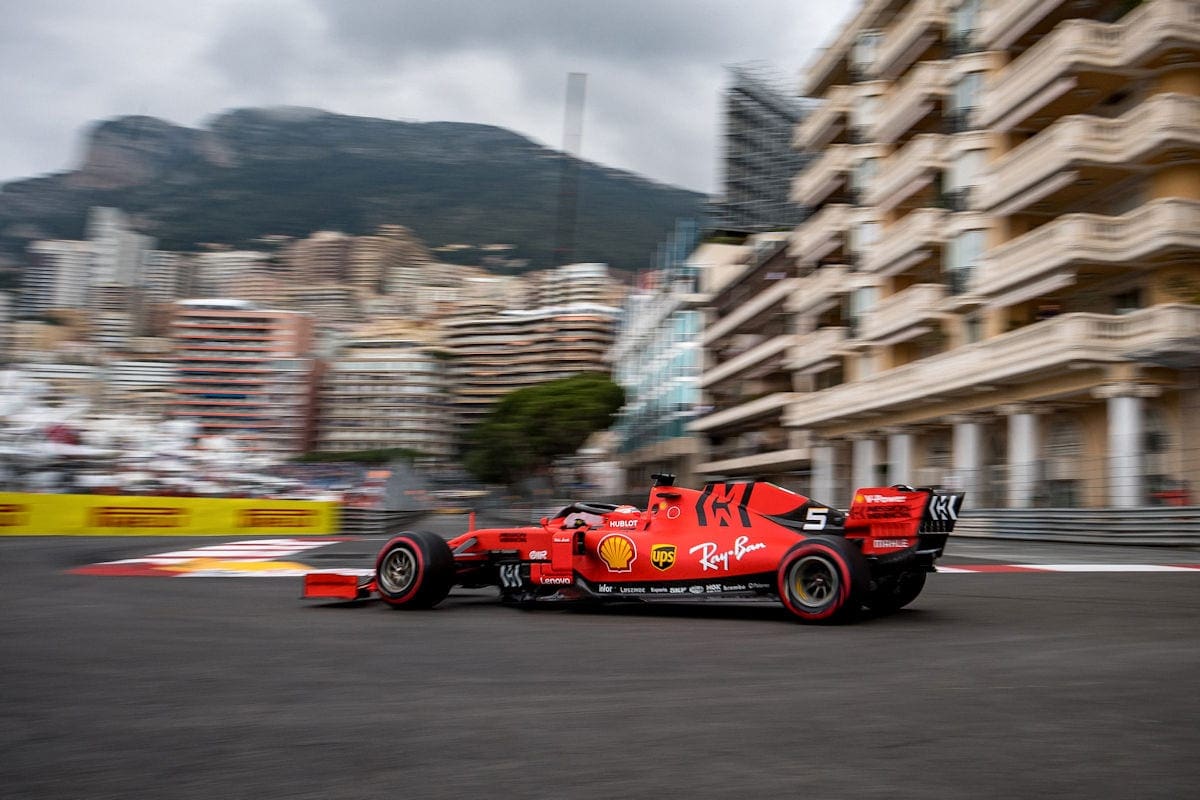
(729,540)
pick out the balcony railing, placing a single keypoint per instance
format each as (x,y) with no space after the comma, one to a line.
(921,24)
(1163,122)
(915,97)
(824,124)
(727,324)
(772,348)
(1025,354)
(823,175)
(758,407)
(907,242)
(1165,225)
(1077,45)
(906,309)
(1004,23)
(909,170)
(821,233)
(817,287)
(815,348)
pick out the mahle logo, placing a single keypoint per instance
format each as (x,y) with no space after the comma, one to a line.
(662,556)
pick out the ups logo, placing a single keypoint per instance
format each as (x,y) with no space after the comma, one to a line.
(662,556)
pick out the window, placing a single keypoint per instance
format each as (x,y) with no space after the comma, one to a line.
(865,49)
(864,174)
(961,257)
(966,20)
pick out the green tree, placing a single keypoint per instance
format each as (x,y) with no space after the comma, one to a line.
(529,428)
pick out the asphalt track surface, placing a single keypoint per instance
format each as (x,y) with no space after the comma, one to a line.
(990,685)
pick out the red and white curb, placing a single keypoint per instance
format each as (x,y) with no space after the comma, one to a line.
(255,558)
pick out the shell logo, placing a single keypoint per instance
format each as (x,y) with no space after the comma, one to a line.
(618,552)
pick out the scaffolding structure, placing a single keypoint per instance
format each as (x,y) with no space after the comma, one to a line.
(760,117)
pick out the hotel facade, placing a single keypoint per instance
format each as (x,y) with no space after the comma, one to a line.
(998,284)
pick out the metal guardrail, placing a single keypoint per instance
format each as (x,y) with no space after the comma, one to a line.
(374,522)
(1152,525)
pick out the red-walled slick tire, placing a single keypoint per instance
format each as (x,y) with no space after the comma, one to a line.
(823,579)
(414,570)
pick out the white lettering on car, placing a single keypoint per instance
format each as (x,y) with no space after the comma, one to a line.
(710,558)
(539,555)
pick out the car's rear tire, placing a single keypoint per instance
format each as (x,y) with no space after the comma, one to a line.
(897,592)
(414,570)
(823,579)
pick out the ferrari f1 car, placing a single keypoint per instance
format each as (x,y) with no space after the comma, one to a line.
(728,540)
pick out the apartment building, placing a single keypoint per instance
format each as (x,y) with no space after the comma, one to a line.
(495,352)
(999,286)
(387,388)
(245,373)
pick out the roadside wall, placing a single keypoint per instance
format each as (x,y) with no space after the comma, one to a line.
(24,514)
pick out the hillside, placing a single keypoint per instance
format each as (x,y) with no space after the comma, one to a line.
(257,172)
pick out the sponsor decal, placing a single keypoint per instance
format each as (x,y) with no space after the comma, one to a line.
(696,589)
(673,512)
(662,556)
(137,517)
(618,552)
(13,514)
(678,589)
(942,507)
(658,590)
(604,588)
(539,555)
(735,587)
(622,523)
(550,580)
(510,576)
(886,512)
(713,587)
(512,538)
(884,499)
(276,518)
(633,590)
(755,585)
(711,558)
(715,504)
(891,543)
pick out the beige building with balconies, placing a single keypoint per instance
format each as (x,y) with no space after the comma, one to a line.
(998,287)
(387,388)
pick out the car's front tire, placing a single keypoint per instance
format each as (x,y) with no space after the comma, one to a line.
(414,570)
(823,579)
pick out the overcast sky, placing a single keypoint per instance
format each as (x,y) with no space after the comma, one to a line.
(655,67)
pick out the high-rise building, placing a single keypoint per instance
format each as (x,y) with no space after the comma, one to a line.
(56,276)
(760,118)
(1008,195)
(324,257)
(246,373)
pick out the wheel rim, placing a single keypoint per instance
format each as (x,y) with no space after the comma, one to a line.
(398,571)
(814,581)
